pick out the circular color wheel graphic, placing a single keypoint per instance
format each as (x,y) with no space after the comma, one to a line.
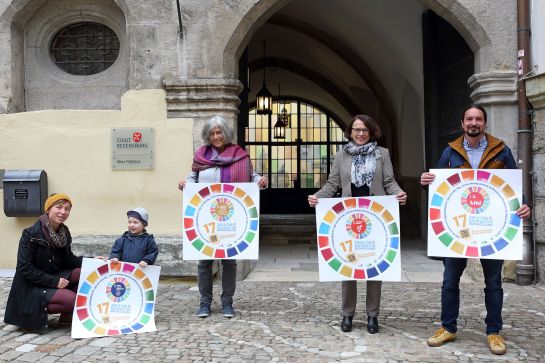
(222,209)
(475,200)
(365,213)
(201,236)
(358,225)
(118,289)
(477,190)
(93,302)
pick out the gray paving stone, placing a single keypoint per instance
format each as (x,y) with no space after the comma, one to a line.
(10,355)
(87,350)
(102,342)
(26,337)
(294,321)
(48,359)
(26,348)
(31,357)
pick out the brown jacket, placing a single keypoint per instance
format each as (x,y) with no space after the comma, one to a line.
(496,155)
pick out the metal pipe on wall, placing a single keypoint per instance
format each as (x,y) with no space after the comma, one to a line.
(181,31)
(525,269)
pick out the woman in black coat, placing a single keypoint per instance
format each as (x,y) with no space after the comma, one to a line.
(47,273)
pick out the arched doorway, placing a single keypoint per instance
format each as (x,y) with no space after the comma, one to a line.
(407,80)
(299,163)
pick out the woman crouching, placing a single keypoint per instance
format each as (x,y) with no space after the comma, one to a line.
(47,272)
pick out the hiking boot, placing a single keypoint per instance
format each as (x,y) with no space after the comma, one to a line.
(441,337)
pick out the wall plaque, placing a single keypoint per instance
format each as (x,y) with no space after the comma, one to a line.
(133,148)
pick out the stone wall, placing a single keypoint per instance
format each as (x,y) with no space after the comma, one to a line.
(535,91)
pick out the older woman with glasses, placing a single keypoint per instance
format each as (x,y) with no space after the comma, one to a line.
(219,161)
(361,168)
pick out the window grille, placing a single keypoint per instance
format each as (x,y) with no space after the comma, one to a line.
(85,48)
(304,157)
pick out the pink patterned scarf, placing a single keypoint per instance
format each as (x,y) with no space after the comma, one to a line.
(234,162)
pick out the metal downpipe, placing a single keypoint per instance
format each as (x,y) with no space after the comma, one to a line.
(525,269)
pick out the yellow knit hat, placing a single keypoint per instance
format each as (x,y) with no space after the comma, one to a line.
(54,198)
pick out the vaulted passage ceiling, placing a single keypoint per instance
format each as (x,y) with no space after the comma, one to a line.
(348,56)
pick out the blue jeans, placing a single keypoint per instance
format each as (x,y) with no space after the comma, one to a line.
(450,293)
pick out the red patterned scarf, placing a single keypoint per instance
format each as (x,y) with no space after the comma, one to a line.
(234,162)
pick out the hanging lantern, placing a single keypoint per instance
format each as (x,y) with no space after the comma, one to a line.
(279,130)
(264,97)
(284,117)
(264,101)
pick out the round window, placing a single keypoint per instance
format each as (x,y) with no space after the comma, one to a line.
(85,48)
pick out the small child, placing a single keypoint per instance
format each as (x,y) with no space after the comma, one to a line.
(135,245)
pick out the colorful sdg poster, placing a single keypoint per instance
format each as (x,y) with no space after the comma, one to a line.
(114,298)
(358,238)
(472,213)
(221,221)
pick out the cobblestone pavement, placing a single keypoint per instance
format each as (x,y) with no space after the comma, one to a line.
(289,321)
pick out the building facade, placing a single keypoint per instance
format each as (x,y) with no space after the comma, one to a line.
(72,71)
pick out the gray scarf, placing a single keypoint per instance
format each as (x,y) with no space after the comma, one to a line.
(364,162)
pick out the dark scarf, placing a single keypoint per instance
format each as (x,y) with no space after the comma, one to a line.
(55,239)
(364,162)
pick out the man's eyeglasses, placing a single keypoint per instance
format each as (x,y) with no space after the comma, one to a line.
(360,131)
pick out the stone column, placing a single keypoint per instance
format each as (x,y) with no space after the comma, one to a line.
(497,91)
(535,91)
(201,99)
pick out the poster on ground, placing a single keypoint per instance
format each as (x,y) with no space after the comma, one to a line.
(358,238)
(114,298)
(220,221)
(472,213)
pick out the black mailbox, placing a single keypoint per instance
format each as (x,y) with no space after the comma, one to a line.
(25,192)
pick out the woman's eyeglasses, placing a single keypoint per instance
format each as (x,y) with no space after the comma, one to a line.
(360,131)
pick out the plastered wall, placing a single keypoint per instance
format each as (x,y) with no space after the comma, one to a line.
(73,147)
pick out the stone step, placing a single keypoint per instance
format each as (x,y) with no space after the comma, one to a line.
(170,253)
(287,229)
(288,219)
(275,229)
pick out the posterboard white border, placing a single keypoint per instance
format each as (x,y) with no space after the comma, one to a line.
(471,214)
(220,221)
(114,299)
(346,252)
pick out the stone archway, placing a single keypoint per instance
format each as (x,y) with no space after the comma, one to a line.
(465,17)
(452,11)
